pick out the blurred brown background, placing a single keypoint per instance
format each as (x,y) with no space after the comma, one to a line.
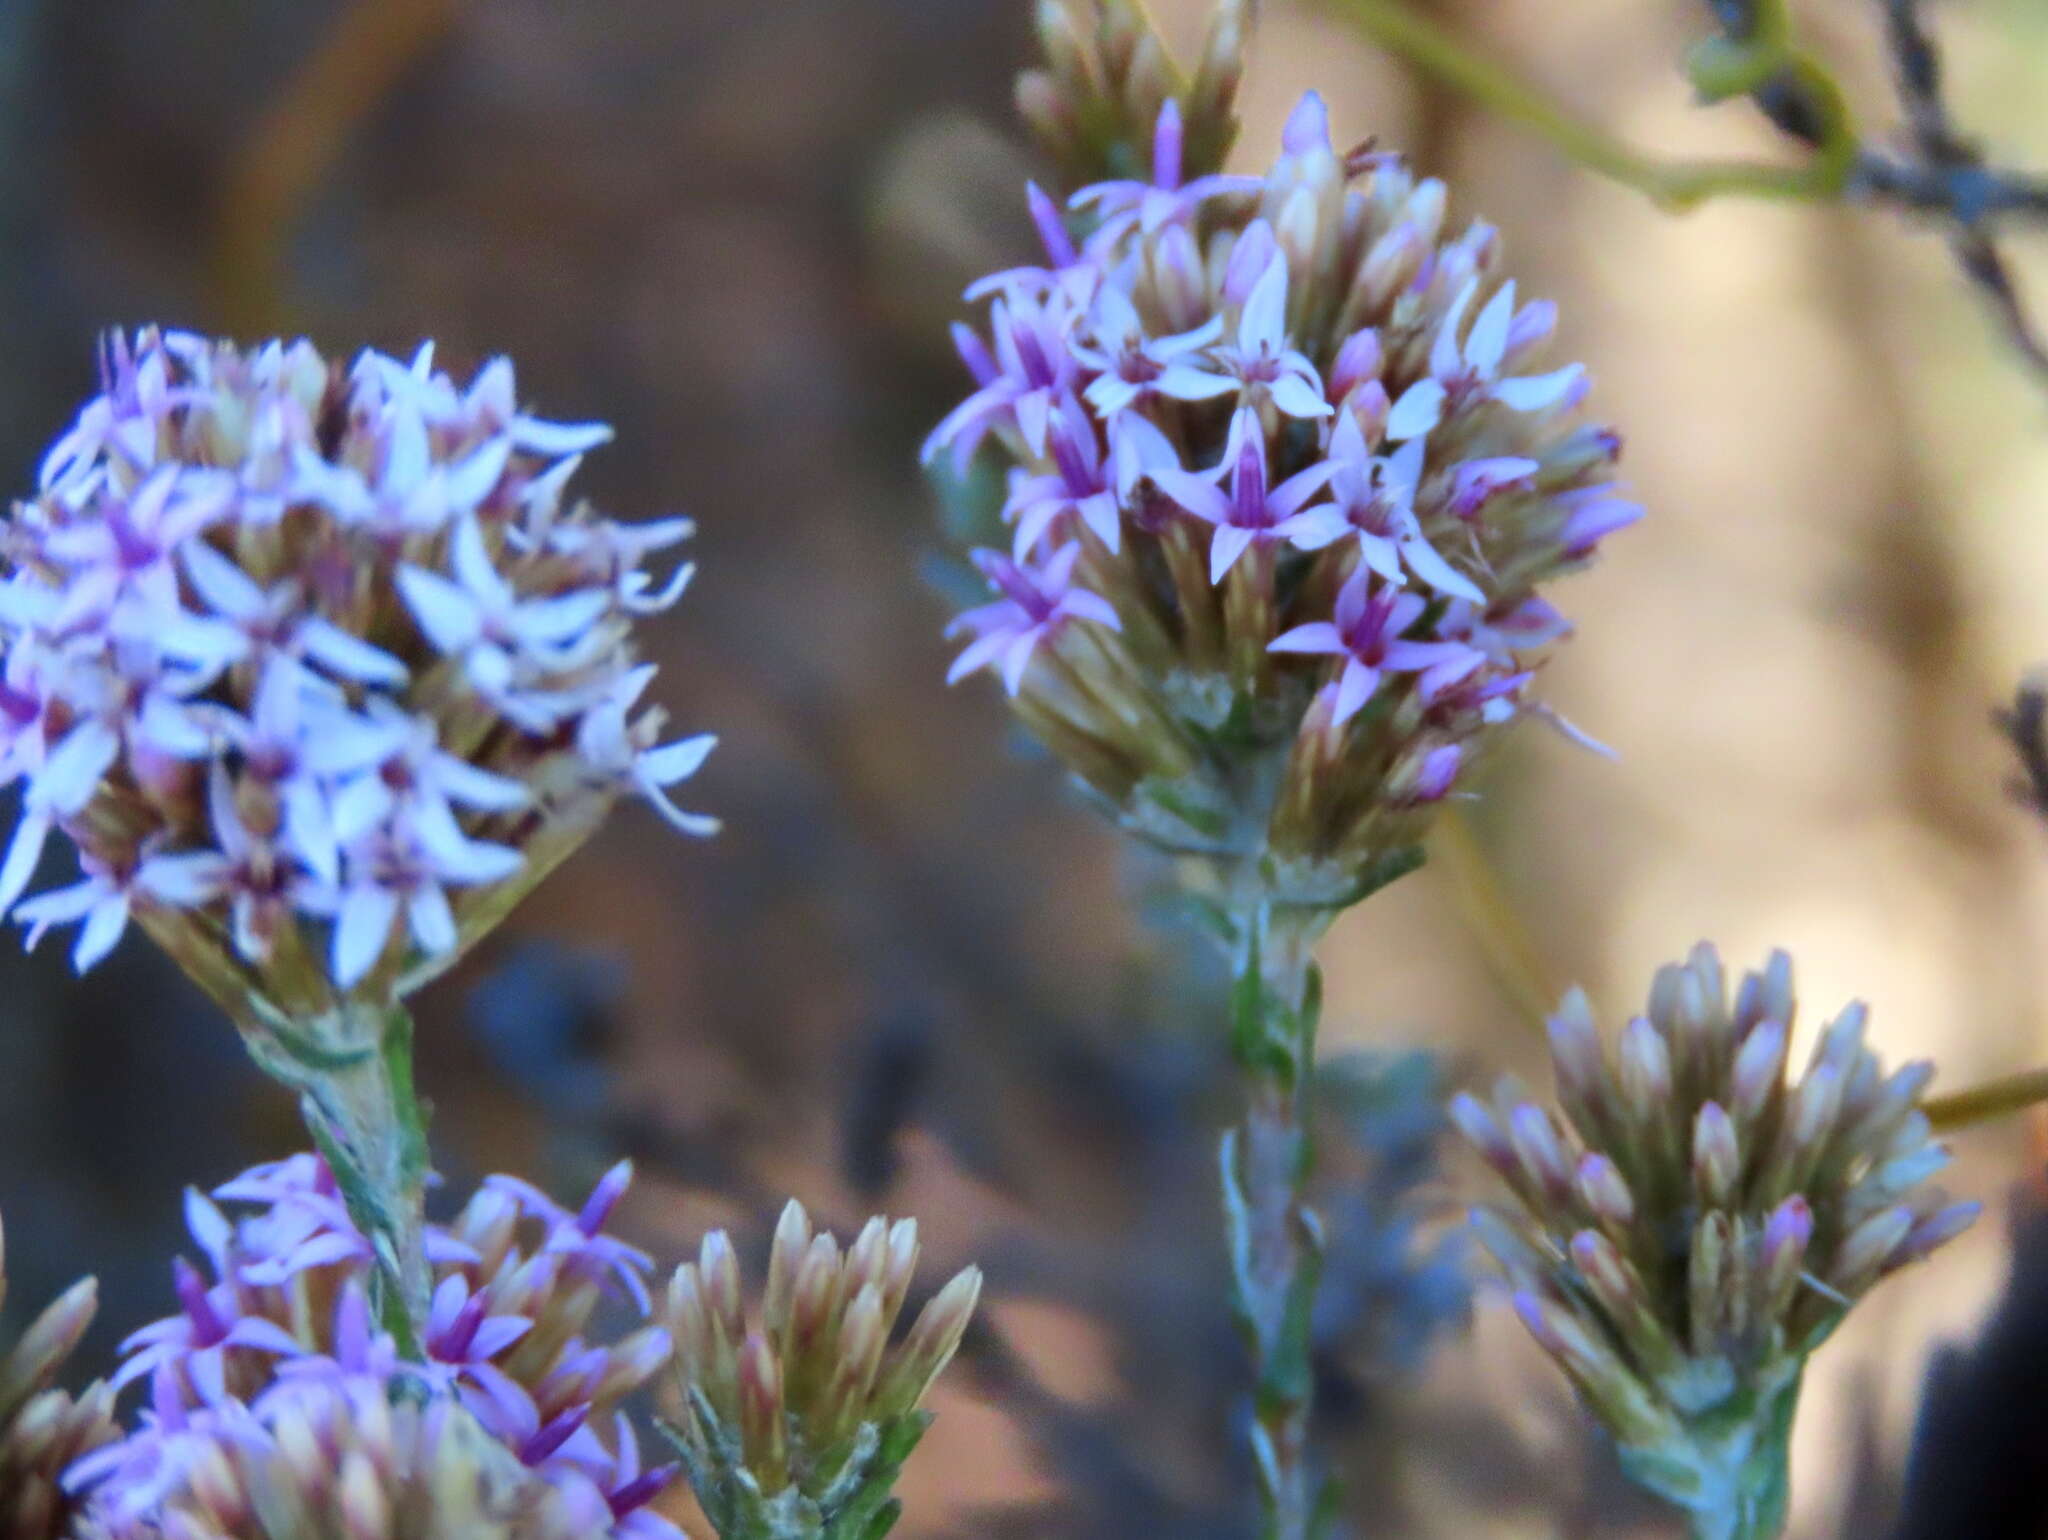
(909,975)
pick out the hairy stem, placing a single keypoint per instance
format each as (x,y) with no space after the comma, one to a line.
(352,1071)
(1275,1239)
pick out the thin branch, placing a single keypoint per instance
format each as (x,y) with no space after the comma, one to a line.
(1982,1103)
(1492,917)
(2025,725)
(1753,54)
(1673,185)
(299,138)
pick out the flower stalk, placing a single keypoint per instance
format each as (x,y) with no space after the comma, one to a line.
(1275,1239)
(369,1124)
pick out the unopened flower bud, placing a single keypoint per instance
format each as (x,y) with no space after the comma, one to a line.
(1716,1158)
(814,1407)
(1695,1291)
(1602,1190)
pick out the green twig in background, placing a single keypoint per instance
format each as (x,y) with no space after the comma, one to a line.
(1673,185)
(1982,1103)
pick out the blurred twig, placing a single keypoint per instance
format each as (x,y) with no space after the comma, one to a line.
(1492,916)
(2025,725)
(1982,1103)
(1942,176)
(298,139)
(1674,185)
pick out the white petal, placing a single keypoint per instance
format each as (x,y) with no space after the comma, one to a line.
(224,586)
(677,761)
(474,568)
(1262,328)
(471,478)
(361,930)
(309,829)
(347,655)
(1488,341)
(1420,408)
(360,806)
(558,438)
(185,879)
(62,906)
(562,618)
(24,850)
(463,782)
(408,457)
(1297,398)
(431,920)
(1229,544)
(1533,392)
(102,929)
(1427,563)
(70,776)
(447,614)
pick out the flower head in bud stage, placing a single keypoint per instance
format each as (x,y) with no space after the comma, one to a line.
(318,666)
(1285,486)
(42,1427)
(797,1425)
(1702,1218)
(273,1372)
(1108,80)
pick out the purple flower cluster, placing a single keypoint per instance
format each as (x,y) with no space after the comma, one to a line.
(311,662)
(276,1331)
(1280,467)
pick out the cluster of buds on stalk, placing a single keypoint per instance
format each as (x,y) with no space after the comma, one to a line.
(798,1425)
(1702,1219)
(1283,485)
(1107,77)
(265,1387)
(320,667)
(44,1428)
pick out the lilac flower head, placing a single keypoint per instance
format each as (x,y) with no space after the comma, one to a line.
(279,1313)
(304,659)
(1233,407)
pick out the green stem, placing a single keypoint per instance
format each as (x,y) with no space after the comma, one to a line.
(1275,1239)
(1981,1103)
(1731,1472)
(352,1071)
(1673,185)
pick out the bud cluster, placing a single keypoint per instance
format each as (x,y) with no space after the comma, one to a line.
(43,1428)
(797,1425)
(1107,75)
(1704,1216)
(264,1367)
(1283,491)
(320,666)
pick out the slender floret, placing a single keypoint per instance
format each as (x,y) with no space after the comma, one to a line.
(318,666)
(1703,1216)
